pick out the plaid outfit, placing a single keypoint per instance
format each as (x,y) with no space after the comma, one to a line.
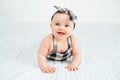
(55,56)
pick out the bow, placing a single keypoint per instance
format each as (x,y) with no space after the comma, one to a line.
(67,11)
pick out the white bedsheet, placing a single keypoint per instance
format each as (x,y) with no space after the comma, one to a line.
(100,48)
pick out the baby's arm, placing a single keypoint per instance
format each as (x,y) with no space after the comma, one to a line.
(43,51)
(43,65)
(73,66)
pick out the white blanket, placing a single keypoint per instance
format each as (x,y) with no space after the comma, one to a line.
(100,48)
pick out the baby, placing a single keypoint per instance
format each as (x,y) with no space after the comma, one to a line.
(60,44)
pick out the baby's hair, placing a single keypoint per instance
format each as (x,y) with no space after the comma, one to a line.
(65,11)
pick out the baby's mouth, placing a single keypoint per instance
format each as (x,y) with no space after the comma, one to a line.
(61,33)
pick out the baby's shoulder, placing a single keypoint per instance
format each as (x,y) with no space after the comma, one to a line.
(47,38)
(74,39)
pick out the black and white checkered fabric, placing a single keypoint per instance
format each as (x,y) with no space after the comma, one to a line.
(55,56)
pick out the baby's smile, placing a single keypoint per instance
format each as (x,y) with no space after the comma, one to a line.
(61,33)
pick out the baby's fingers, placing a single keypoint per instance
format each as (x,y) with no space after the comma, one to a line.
(49,70)
(72,68)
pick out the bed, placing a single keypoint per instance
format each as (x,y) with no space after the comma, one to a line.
(19,43)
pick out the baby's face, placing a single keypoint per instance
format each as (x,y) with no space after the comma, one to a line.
(61,26)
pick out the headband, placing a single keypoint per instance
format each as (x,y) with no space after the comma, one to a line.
(67,11)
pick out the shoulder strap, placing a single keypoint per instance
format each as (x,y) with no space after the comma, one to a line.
(69,40)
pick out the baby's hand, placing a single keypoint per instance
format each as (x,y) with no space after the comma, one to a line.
(72,67)
(48,69)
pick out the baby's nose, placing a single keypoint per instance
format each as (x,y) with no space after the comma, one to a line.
(62,27)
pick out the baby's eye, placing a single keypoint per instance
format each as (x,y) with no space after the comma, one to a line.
(57,24)
(66,25)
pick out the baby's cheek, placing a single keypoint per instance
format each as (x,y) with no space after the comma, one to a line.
(70,32)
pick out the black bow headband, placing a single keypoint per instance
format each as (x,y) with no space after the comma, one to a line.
(67,11)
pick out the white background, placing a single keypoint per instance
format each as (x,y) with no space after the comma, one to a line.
(88,11)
